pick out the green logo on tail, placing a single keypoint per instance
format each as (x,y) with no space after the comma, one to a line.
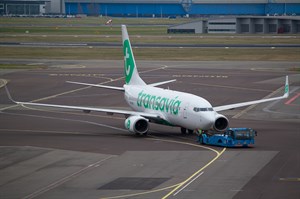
(286,90)
(128,61)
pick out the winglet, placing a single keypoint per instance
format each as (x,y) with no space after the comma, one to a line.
(286,87)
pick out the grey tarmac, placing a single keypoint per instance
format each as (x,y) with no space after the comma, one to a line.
(52,153)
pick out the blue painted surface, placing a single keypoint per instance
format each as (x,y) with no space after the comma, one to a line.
(113,9)
(228,9)
(125,9)
(232,137)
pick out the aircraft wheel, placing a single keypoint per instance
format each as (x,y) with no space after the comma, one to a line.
(183,130)
(145,134)
(190,131)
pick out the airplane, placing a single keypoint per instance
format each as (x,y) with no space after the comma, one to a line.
(150,103)
(108,22)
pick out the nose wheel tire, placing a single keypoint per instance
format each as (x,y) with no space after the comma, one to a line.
(190,131)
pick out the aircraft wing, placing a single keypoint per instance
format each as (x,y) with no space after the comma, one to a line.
(232,106)
(89,109)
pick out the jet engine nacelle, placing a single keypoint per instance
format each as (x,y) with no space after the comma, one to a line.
(221,123)
(137,124)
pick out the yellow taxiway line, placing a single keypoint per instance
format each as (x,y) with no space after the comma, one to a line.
(181,184)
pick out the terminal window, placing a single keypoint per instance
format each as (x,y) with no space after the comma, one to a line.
(259,28)
(245,28)
(221,23)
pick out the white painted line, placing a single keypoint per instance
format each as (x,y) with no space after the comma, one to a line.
(188,183)
(53,44)
(236,190)
(268,107)
(65,179)
(34,64)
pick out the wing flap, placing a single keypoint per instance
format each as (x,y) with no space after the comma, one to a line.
(89,109)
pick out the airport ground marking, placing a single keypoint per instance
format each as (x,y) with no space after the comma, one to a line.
(67,178)
(238,115)
(71,120)
(232,87)
(192,180)
(269,106)
(141,193)
(197,172)
(185,143)
(40,131)
(178,185)
(290,179)
(292,99)
(80,75)
(200,76)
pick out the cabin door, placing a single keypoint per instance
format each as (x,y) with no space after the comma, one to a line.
(185,111)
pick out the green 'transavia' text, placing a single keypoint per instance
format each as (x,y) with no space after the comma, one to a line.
(163,104)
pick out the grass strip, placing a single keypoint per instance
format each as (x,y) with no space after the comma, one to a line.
(21,66)
(101,30)
(137,39)
(184,54)
(89,21)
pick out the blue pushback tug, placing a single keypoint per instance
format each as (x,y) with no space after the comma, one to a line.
(232,137)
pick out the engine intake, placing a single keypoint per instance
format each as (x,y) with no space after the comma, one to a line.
(221,123)
(137,124)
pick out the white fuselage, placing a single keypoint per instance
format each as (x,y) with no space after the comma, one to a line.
(177,108)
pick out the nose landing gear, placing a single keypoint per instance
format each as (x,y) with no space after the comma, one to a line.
(183,131)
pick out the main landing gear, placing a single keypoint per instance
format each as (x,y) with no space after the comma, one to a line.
(183,131)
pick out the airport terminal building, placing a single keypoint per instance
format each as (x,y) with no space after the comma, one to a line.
(192,8)
(23,7)
(241,25)
(151,8)
(237,16)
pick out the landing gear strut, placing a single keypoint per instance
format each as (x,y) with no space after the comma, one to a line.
(183,130)
(190,131)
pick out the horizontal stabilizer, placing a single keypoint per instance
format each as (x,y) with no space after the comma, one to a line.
(161,83)
(97,85)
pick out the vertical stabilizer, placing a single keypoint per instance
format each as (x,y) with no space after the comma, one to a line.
(130,70)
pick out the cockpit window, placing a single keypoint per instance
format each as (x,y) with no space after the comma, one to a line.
(197,109)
